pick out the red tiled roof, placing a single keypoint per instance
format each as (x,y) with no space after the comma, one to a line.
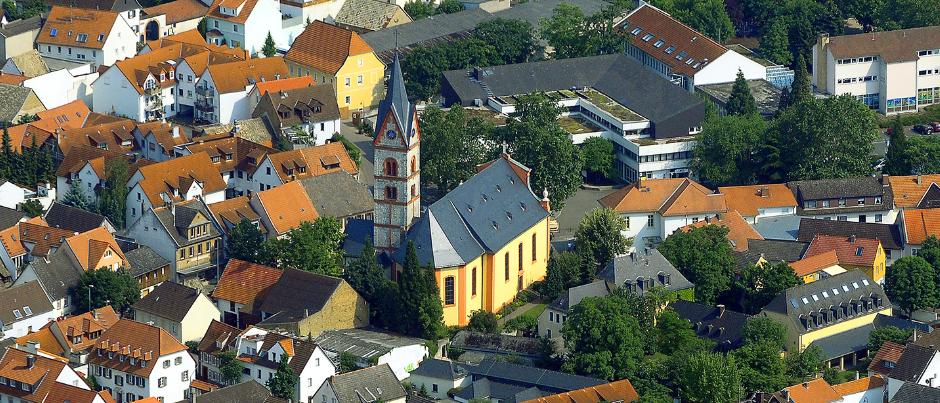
(284,84)
(133,340)
(886,357)
(69,23)
(685,41)
(859,385)
(669,197)
(326,47)
(920,224)
(812,264)
(747,200)
(244,283)
(850,250)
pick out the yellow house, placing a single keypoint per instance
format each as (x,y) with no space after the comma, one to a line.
(832,313)
(816,267)
(95,249)
(338,57)
(852,252)
(487,240)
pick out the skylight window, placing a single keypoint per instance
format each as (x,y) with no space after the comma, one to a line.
(659,43)
(100,37)
(670,49)
(835,291)
(865,281)
(690,61)
(636,31)
(805,301)
(815,298)
(17,314)
(27,310)
(855,284)
(825,294)
(845,288)
(682,55)
(858,251)
(54,32)
(81,38)
(647,37)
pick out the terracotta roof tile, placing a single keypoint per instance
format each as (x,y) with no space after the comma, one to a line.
(246,7)
(77,156)
(284,84)
(669,197)
(232,152)
(236,76)
(747,200)
(45,338)
(920,224)
(89,247)
(72,24)
(116,136)
(166,54)
(859,385)
(287,206)
(319,160)
(13,365)
(43,237)
(168,176)
(857,251)
(683,40)
(245,283)
(180,11)
(814,391)
(69,116)
(137,340)
(229,213)
(886,357)
(739,231)
(326,47)
(617,391)
(12,79)
(218,336)
(892,46)
(10,238)
(909,190)
(812,264)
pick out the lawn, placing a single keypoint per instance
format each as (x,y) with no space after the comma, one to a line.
(535,311)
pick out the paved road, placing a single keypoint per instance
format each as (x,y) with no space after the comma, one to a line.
(364,142)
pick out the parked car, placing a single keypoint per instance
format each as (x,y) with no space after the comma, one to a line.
(923,129)
(935,126)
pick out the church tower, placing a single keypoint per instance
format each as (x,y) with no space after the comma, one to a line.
(397,165)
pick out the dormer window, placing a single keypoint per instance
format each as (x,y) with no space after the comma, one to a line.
(100,37)
(81,38)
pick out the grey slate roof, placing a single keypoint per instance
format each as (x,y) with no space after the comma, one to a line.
(489,390)
(21,26)
(57,276)
(13,97)
(446,26)
(914,360)
(71,218)
(371,384)
(358,232)
(765,94)
(175,223)
(915,393)
(396,102)
(168,300)
(845,188)
(17,298)
(305,99)
(716,323)
(783,227)
(774,250)
(647,264)
(804,302)
(439,369)
(257,130)
(544,379)
(888,234)
(246,392)
(485,213)
(855,340)
(143,260)
(575,295)
(295,292)
(617,76)
(363,343)
(9,217)
(499,344)
(354,199)
(368,14)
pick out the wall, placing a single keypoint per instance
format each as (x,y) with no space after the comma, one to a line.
(443,385)
(725,68)
(318,369)
(175,387)
(264,18)
(112,93)
(265,177)
(27,325)
(197,320)
(18,44)
(172,327)
(806,339)
(365,95)
(148,231)
(465,300)
(503,292)
(60,87)
(638,228)
(344,310)
(11,195)
(404,359)
(548,327)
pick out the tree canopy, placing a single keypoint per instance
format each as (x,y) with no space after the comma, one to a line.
(108,287)
(112,198)
(710,377)
(911,284)
(741,101)
(453,144)
(704,256)
(603,338)
(284,382)
(600,234)
(422,314)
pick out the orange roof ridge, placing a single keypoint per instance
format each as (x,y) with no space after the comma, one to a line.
(812,264)
(859,385)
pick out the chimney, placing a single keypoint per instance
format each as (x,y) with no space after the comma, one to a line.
(94,314)
(920,180)
(30,361)
(237,126)
(915,334)
(306,312)
(721,310)
(176,132)
(852,238)
(173,209)
(786,394)
(806,385)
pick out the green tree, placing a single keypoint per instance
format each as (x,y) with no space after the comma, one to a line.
(537,141)
(762,329)
(483,321)
(365,274)
(421,314)
(897,160)
(802,366)
(727,151)
(284,382)
(7,158)
(449,7)
(775,44)
(314,247)
(347,363)
(32,208)
(112,198)
(880,335)
(603,338)
(801,91)
(453,144)
(230,367)
(830,138)
(572,34)
(514,40)
(741,102)
(355,153)
(598,156)
(564,272)
(704,256)
(600,233)
(245,242)
(269,49)
(706,16)
(911,284)
(118,287)
(75,197)
(676,334)
(710,377)
(761,284)
(26,118)
(418,9)
(762,369)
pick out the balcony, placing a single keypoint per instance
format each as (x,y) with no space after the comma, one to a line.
(204,105)
(154,103)
(205,92)
(152,91)
(197,263)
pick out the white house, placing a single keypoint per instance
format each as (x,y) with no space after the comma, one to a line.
(222,91)
(401,354)
(183,178)
(923,370)
(372,384)
(140,88)
(261,351)
(438,377)
(101,37)
(681,54)
(134,360)
(25,308)
(654,208)
(892,71)
(85,166)
(183,311)
(756,202)
(276,169)
(244,24)
(11,195)
(30,376)
(59,87)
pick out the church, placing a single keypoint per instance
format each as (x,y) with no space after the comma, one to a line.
(486,240)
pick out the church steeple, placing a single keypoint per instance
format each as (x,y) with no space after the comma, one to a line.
(396,164)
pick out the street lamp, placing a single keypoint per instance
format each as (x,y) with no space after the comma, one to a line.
(90,286)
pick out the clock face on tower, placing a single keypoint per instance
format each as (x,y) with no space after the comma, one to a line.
(390,134)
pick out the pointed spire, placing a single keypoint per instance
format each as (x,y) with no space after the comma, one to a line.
(396,100)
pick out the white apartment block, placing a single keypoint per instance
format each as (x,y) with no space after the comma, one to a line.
(892,72)
(261,351)
(82,35)
(134,360)
(222,91)
(244,24)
